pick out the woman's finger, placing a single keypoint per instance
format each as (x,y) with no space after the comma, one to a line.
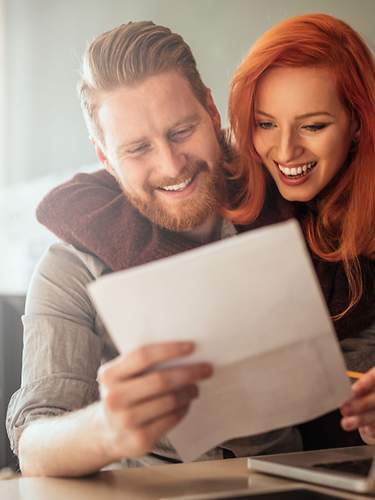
(365,384)
(354,422)
(359,405)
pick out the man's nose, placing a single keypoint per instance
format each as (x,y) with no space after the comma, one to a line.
(170,160)
(288,147)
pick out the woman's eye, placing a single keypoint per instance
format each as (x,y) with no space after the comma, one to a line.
(315,127)
(264,125)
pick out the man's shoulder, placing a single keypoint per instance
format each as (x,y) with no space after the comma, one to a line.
(68,259)
(59,284)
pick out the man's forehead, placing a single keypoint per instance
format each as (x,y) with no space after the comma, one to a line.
(152,105)
(153,90)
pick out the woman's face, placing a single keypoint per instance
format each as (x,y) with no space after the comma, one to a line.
(302,131)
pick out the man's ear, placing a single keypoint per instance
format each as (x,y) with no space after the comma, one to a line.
(102,157)
(213,111)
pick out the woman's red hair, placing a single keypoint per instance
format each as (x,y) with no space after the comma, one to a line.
(344,228)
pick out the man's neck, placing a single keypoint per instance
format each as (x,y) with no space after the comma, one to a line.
(207,232)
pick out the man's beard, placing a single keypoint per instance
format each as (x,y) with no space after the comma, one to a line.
(189,213)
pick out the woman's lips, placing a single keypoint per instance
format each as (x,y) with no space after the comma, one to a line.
(296,174)
(294,171)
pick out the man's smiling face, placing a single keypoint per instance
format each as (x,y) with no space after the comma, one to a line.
(162,146)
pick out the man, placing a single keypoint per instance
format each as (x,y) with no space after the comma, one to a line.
(156,130)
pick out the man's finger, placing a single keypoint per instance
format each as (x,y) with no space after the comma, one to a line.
(144,413)
(145,438)
(155,384)
(167,380)
(142,359)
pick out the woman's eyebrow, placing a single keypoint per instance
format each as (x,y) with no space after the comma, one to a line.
(315,113)
(259,112)
(304,115)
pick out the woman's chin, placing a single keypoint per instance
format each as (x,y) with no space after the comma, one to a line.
(296,193)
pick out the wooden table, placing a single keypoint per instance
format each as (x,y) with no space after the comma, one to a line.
(152,483)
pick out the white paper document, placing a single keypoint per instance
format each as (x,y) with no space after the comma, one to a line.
(253,306)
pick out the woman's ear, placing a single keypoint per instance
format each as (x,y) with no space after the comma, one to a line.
(355,128)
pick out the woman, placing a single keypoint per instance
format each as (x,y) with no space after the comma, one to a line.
(302,109)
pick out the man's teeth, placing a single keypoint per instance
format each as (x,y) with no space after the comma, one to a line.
(294,171)
(178,187)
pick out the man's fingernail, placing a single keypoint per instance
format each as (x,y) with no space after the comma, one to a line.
(187,346)
(193,391)
(207,370)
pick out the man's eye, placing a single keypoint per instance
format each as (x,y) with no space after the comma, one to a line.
(315,127)
(265,125)
(181,133)
(138,150)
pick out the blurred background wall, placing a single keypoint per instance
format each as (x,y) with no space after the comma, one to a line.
(43,139)
(42,128)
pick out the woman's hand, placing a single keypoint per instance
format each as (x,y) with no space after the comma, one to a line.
(359,411)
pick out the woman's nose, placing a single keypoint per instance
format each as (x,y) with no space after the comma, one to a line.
(288,148)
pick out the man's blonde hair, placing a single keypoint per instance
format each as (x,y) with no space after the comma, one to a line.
(128,54)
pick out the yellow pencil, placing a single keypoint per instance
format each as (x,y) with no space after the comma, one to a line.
(356,375)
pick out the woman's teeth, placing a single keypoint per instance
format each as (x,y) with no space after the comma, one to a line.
(177,187)
(297,171)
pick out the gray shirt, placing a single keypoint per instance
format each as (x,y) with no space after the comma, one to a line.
(65,342)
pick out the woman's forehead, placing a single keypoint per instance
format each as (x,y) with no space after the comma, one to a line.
(297,91)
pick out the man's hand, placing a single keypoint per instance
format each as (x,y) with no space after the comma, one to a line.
(359,411)
(140,402)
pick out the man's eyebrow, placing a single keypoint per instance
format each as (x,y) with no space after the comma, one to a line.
(299,117)
(187,119)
